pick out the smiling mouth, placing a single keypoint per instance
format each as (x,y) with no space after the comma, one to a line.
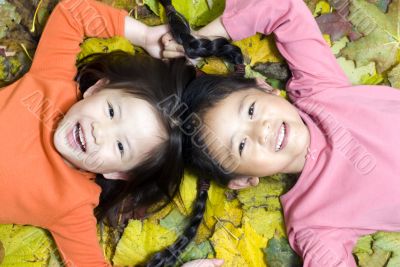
(80,137)
(281,138)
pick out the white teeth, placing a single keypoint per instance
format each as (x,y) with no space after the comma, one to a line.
(280,137)
(79,137)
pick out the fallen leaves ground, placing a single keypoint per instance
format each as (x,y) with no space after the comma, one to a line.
(245,228)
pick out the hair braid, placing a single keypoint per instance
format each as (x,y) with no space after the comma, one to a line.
(168,256)
(202,47)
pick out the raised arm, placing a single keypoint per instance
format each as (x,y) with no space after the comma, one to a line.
(325,247)
(298,38)
(76,238)
(71,21)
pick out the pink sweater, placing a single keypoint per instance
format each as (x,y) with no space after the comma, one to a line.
(350,183)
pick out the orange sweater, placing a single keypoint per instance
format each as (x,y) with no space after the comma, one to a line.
(36,186)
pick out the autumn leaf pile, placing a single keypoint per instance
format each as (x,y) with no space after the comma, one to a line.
(246,228)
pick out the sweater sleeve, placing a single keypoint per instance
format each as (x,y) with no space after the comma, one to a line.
(325,247)
(69,23)
(76,237)
(298,38)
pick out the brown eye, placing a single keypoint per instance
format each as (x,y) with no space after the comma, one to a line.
(251,110)
(241,146)
(110,110)
(120,148)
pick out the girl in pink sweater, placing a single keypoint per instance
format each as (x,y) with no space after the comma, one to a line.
(77,150)
(341,140)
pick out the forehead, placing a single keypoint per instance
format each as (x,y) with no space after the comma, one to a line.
(140,118)
(223,117)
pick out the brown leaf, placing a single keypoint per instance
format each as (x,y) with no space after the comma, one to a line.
(334,25)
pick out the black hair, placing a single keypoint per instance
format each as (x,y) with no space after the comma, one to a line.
(168,256)
(158,176)
(194,48)
(203,47)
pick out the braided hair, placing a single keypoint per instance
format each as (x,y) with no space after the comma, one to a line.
(168,256)
(202,47)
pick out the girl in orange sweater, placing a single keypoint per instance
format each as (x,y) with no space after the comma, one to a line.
(52,145)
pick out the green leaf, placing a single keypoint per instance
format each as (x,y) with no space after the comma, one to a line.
(279,254)
(9,18)
(174,221)
(197,251)
(198,12)
(100,45)
(25,246)
(353,73)
(382,35)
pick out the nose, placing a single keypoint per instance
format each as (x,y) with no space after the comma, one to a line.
(261,131)
(98,133)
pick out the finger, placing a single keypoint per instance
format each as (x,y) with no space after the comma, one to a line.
(172,54)
(174,46)
(166,38)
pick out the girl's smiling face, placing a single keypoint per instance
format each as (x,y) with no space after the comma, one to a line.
(261,130)
(108,132)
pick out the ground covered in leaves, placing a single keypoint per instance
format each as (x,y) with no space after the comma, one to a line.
(245,228)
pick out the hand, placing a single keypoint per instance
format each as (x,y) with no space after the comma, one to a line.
(204,263)
(171,48)
(152,43)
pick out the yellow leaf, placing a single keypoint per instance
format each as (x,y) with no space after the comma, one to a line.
(257,196)
(1,252)
(327,38)
(214,66)
(107,236)
(161,213)
(218,207)
(187,194)
(265,223)
(259,49)
(238,246)
(141,239)
(203,233)
(322,7)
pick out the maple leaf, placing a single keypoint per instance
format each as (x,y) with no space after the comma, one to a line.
(257,196)
(187,194)
(198,13)
(197,251)
(140,240)
(279,253)
(25,246)
(259,49)
(334,25)
(382,35)
(101,45)
(352,72)
(238,246)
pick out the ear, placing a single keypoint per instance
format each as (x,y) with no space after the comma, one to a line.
(243,182)
(267,88)
(116,176)
(95,87)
